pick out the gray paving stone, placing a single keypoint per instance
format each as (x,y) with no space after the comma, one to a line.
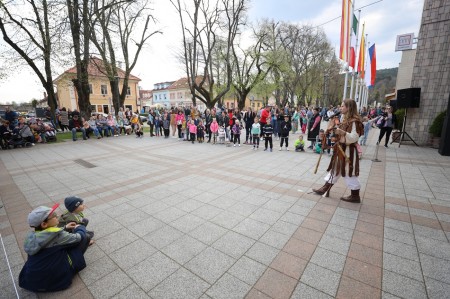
(163,237)
(152,271)
(251,228)
(443,217)
(285,227)
(321,279)
(233,244)
(398,225)
(437,289)
(145,226)
(277,205)
(262,253)
(223,202)
(228,287)
(170,214)
(190,205)
(274,239)
(436,268)
(339,232)
(208,232)
(402,266)
(303,291)
(402,286)
(329,260)
(247,270)
(155,207)
(97,270)
(301,210)
(400,249)
(306,203)
(293,218)
(181,284)
(130,255)
(207,212)
(227,219)
(423,213)
(184,249)
(347,213)
(334,244)
(210,264)
(132,291)
(114,241)
(110,285)
(400,236)
(266,216)
(346,222)
(132,217)
(187,223)
(429,232)
(243,209)
(386,295)
(433,247)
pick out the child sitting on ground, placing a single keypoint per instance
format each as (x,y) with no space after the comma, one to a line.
(75,207)
(299,144)
(54,255)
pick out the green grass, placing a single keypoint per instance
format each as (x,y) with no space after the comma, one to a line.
(63,137)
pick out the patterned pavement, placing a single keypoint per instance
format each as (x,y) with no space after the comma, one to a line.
(177,220)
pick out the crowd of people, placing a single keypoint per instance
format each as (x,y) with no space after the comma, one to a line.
(217,125)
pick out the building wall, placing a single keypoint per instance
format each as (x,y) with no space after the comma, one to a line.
(405,69)
(431,69)
(67,95)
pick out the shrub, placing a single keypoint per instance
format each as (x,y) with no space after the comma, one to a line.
(438,123)
(399,114)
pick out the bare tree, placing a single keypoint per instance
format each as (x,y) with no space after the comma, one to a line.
(251,66)
(113,25)
(204,23)
(29,29)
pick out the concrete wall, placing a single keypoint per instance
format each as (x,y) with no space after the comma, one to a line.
(405,69)
(431,68)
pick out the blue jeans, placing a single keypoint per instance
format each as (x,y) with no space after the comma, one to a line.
(74,133)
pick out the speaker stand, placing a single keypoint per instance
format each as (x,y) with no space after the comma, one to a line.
(403,132)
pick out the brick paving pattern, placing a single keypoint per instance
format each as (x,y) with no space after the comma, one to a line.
(176,220)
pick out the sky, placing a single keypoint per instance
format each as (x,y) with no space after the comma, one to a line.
(384,20)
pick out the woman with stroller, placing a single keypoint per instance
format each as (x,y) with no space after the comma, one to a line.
(24,130)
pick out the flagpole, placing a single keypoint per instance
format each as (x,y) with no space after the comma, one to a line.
(356,49)
(345,83)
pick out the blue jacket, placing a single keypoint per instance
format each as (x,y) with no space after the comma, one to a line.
(54,257)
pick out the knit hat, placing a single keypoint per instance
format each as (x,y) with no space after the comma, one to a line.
(38,215)
(72,203)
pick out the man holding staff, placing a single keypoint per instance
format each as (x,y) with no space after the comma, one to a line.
(345,161)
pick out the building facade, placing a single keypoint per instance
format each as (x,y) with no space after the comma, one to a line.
(161,94)
(100,89)
(431,70)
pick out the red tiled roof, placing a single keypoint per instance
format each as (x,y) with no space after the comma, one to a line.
(97,68)
(145,94)
(184,84)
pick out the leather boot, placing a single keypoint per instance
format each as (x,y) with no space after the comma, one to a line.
(324,189)
(354,197)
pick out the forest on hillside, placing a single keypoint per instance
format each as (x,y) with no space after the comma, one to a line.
(384,84)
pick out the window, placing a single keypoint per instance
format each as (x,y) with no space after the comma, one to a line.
(90,88)
(165,97)
(172,96)
(259,104)
(104,89)
(128,91)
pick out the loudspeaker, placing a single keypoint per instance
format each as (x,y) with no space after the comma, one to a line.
(408,98)
(393,104)
(444,146)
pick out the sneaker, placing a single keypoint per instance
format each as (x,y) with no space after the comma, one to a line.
(385,146)
(239,145)
(287,148)
(264,149)
(280,149)
(270,149)
(234,145)
(378,142)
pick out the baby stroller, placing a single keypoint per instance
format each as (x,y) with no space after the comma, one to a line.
(50,132)
(221,135)
(15,140)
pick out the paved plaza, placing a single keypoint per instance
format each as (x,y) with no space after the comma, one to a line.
(177,220)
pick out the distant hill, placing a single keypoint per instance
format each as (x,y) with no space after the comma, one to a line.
(384,84)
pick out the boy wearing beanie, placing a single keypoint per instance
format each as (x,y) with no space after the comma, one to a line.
(74,213)
(54,255)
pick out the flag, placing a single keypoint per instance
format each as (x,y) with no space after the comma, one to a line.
(345,30)
(371,70)
(362,51)
(353,42)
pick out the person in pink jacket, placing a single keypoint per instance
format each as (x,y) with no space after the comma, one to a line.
(214,128)
(179,121)
(192,130)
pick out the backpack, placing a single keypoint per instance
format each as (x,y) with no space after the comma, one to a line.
(380,122)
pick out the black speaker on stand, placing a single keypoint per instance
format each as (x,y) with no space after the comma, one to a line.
(444,145)
(407,98)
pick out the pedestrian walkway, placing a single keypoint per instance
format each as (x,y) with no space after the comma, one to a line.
(177,220)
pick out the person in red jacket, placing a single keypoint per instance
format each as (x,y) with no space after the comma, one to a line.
(265,114)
